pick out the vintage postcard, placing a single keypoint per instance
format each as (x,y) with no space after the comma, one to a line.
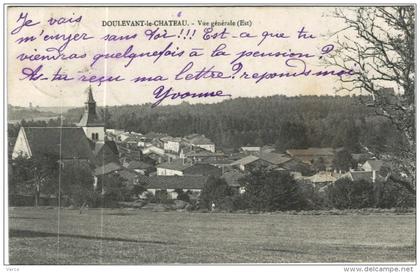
(223,134)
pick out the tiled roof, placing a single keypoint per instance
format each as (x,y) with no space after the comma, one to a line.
(200,140)
(107,168)
(177,165)
(105,152)
(321,177)
(47,140)
(311,152)
(173,139)
(203,153)
(138,165)
(375,164)
(274,158)
(246,160)
(251,148)
(173,182)
(203,169)
(224,161)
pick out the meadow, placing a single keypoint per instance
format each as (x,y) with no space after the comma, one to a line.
(124,236)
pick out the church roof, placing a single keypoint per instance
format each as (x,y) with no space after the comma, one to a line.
(90,96)
(90,118)
(47,140)
(104,152)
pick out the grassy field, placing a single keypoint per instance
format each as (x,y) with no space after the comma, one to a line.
(142,237)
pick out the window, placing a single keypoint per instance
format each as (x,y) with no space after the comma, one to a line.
(95,136)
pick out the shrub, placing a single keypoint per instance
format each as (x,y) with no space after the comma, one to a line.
(348,194)
(389,194)
(215,191)
(183,196)
(272,190)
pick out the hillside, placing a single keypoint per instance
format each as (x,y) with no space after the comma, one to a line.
(17,113)
(287,122)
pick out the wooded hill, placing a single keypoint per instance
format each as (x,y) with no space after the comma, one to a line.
(286,122)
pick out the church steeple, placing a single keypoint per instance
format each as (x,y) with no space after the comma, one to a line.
(91,123)
(90,96)
(90,104)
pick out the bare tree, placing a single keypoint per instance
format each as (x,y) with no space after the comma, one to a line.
(378,43)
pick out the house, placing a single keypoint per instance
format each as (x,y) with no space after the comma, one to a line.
(373,165)
(201,141)
(171,185)
(224,163)
(320,179)
(139,167)
(251,149)
(263,160)
(247,163)
(107,169)
(369,176)
(129,153)
(153,149)
(144,142)
(274,158)
(198,154)
(309,155)
(175,167)
(203,169)
(112,134)
(124,136)
(172,144)
(155,138)
(113,169)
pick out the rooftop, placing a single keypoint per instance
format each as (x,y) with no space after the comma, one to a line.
(274,158)
(177,165)
(245,160)
(107,168)
(63,142)
(173,182)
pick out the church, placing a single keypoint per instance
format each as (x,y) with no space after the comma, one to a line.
(84,143)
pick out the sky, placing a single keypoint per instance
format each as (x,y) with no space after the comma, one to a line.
(266,21)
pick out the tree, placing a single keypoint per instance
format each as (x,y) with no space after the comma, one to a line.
(348,194)
(35,174)
(114,190)
(378,43)
(184,196)
(272,190)
(389,194)
(77,184)
(343,160)
(319,164)
(215,190)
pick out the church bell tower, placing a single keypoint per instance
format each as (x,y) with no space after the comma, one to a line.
(91,123)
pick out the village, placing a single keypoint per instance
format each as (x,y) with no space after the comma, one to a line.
(166,166)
